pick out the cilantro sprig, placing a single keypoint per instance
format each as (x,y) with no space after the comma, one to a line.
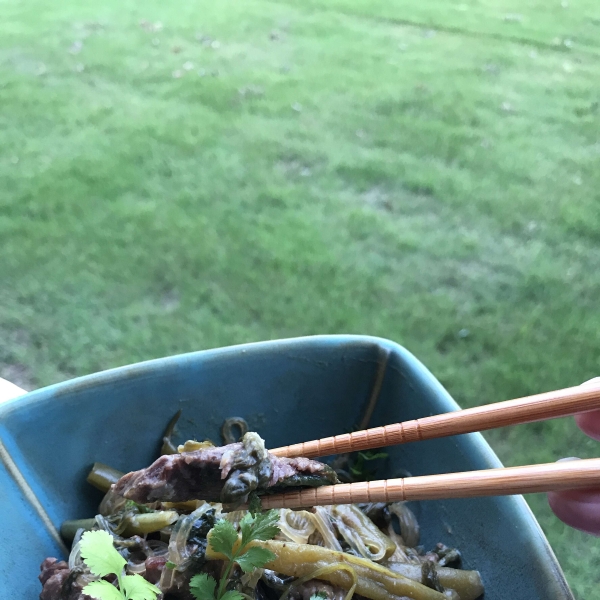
(102,559)
(358,467)
(225,540)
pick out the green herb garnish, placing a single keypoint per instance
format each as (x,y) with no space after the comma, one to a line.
(359,467)
(254,503)
(223,539)
(102,559)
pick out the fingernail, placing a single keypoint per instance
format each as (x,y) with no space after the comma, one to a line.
(568,459)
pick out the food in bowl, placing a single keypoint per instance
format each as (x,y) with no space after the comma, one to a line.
(190,526)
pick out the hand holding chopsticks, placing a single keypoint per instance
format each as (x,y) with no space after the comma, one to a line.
(493,482)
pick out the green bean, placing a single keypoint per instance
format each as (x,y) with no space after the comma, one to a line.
(140,524)
(467,584)
(102,476)
(299,560)
(69,528)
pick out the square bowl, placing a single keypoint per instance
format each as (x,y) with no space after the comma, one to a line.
(288,391)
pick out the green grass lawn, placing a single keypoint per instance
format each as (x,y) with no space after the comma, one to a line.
(186,175)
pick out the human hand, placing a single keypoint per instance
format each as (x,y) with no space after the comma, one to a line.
(581,508)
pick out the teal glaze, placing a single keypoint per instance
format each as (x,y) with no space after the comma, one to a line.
(289,391)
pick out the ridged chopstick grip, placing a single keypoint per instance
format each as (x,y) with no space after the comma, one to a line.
(559,403)
(492,482)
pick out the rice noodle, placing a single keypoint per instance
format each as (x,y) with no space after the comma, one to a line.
(158,548)
(409,526)
(322,520)
(178,553)
(75,559)
(136,568)
(360,533)
(296,525)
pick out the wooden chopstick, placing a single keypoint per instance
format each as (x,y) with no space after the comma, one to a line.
(550,405)
(492,482)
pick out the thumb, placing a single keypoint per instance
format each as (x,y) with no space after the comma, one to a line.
(577,508)
(589,422)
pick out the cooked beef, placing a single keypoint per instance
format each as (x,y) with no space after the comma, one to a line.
(226,474)
(59,582)
(154,568)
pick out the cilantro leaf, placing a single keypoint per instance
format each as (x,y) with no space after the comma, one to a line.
(100,555)
(232,595)
(102,590)
(203,586)
(371,455)
(223,538)
(246,524)
(254,558)
(137,588)
(254,504)
(262,527)
(319,596)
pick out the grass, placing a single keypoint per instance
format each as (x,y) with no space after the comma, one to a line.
(201,174)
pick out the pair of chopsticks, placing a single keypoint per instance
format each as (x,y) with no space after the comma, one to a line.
(492,482)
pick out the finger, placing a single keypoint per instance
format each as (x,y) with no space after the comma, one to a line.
(578,508)
(589,422)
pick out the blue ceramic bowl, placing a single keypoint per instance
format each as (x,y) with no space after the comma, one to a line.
(289,391)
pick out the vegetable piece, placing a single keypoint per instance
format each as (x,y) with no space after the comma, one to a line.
(223,540)
(262,526)
(102,559)
(102,476)
(99,554)
(69,529)
(467,584)
(102,590)
(361,534)
(137,524)
(137,588)
(203,587)
(193,445)
(429,576)
(254,558)
(358,467)
(374,581)
(254,503)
